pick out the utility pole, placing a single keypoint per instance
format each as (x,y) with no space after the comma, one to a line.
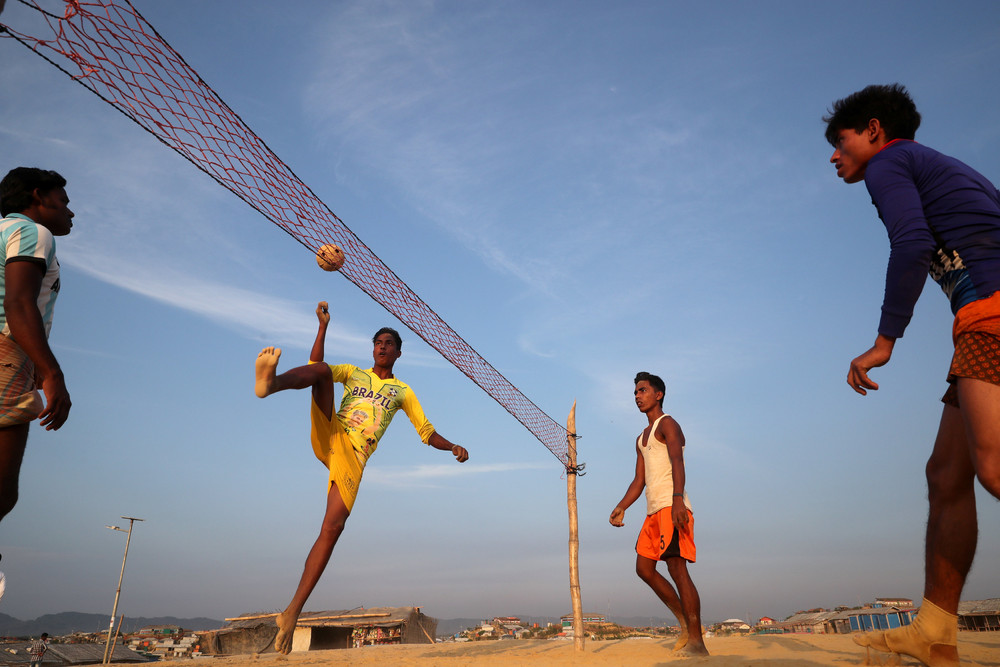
(114,611)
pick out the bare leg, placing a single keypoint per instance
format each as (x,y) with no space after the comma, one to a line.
(691,605)
(13,440)
(333,525)
(952,532)
(980,403)
(646,569)
(317,377)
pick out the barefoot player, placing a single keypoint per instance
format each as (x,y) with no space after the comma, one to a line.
(344,440)
(943,218)
(668,532)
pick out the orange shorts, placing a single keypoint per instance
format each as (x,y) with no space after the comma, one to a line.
(976,334)
(660,540)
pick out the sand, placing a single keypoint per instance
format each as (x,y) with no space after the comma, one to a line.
(790,650)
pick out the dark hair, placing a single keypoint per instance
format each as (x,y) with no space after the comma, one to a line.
(389,330)
(655,381)
(891,104)
(18,185)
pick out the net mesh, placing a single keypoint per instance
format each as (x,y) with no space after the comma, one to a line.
(109,48)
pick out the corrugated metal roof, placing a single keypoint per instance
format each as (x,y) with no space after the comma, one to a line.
(89,654)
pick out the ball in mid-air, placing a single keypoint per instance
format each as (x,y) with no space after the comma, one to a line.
(330,257)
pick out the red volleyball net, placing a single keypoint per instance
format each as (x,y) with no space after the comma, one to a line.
(110,49)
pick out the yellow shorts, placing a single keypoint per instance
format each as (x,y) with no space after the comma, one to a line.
(660,540)
(20,402)
(333,448)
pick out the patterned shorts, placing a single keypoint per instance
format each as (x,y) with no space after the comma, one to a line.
(977,355)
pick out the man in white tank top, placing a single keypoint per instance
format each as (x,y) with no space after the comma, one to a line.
(668,532)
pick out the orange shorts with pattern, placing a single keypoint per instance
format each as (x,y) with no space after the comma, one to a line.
(976,334)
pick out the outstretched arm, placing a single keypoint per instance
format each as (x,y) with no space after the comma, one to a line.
(632,493)
(323,315)
(437,441)
(23,283)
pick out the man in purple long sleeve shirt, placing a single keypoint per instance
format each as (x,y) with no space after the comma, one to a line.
(943,218)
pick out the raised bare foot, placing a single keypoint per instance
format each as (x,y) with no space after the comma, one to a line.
(286,631)
(267,363)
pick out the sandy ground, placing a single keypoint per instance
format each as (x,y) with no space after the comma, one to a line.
(802,650)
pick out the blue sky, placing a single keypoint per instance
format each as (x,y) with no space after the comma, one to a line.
(582,190)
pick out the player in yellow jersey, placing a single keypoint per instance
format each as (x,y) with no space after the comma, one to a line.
(344,440)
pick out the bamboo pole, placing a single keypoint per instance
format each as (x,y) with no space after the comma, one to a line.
(115,640)
(574,531)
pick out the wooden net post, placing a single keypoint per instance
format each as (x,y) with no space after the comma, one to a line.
(574,531)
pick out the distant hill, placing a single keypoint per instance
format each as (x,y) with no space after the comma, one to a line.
(69,622)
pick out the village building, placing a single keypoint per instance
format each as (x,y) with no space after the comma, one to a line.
(979,615)
(567,620)
(734,625)
(900,603)
(322,630)
(879,618)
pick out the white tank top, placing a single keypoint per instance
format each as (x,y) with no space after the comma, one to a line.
(659,472)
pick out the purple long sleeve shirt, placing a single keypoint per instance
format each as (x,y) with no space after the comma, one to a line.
(943,218)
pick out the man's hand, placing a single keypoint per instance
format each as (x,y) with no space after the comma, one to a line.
(57,403)
(617,517)
(461,454)
(323,312)
(878,355)
(679,513)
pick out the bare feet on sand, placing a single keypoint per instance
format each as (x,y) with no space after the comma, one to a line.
(692,649)
(267,364)
(286,630)
(682,639)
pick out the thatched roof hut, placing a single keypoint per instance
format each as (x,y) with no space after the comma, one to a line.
(318,630)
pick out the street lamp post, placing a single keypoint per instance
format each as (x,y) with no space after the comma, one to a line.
(114,611)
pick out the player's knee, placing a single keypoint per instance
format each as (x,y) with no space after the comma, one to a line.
(332,528)
(948,477)
(677,567)
(646,570)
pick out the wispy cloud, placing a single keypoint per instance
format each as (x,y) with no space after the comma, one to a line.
(426,475)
